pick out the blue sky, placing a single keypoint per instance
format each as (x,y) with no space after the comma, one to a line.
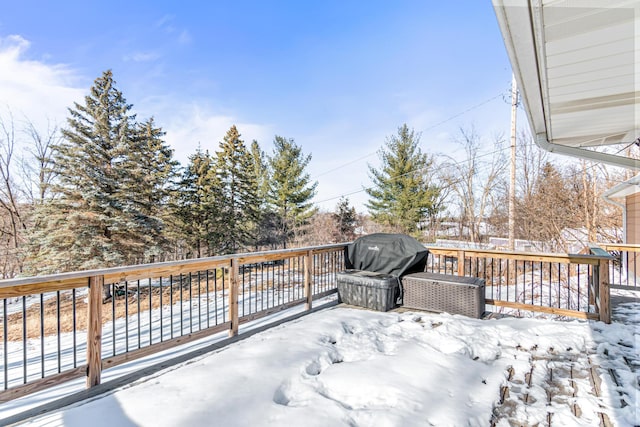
(337,76)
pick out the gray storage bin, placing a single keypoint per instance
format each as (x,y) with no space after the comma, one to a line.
(376,291)
(444,293)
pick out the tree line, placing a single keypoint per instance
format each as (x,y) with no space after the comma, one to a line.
(105,190)
(433,196)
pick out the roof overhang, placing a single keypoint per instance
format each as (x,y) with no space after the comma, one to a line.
(577,67)
(624,189)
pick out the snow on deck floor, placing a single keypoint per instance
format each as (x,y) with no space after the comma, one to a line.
(350,367)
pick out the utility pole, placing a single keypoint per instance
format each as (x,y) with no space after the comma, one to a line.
(512,182)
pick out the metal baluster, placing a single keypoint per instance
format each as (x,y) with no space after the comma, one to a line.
(171,304)
(24,339)
(5,353)
(161,313)
(59,332)
(208,297)
(75,329)
(42,337)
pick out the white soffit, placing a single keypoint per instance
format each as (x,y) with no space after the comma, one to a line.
(624,189)
(577,66)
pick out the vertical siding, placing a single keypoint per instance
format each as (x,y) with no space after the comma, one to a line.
(633,229)
(633,218)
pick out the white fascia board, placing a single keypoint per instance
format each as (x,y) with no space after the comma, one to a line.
(623,189)
(609,159)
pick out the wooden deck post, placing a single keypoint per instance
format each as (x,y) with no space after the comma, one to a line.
(603,291)
(94,331)
(233,297)
(461,263)
(308,284)
(594,287)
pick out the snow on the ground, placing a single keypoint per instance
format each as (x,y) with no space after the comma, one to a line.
(353,367)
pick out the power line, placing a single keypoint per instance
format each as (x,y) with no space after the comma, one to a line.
(344,164)
(460,162)
(481,168)
(424,130)
(411,172)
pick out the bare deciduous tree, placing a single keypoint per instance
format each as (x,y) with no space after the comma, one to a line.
(599,219)
(13,224)
(475,181)
(37,167)
(320,230)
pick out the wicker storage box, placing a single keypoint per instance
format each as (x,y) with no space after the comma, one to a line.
(444,293)
(376,291)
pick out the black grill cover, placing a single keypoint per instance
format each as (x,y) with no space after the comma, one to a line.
(396,254)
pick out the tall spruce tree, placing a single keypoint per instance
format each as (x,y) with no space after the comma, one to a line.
(239,205)
(401,196)
(290,190)
(97,220)
(197,206)
(262,229)
(260,172)
(146,190)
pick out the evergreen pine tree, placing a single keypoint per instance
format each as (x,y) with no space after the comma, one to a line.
(197,206)
(290,190)
(401,196)
(146,191)
(239,205)
(260,172)
(110,173)
(261,229)
(346,221)
(85,227)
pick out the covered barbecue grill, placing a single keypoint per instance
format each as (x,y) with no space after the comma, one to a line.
(375,263)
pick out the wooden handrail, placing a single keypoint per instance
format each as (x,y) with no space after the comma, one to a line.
(63,281)
(520,256)
(620,247)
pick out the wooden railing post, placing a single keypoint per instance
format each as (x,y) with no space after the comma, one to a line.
(461,263)
(308,282)
(234,272)
(595,288)
(603,291)
(94,331)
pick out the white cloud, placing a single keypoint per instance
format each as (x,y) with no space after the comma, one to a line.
(34,89)
(184,37)
(195,125)
(166,24)
(42,92)
(142,57)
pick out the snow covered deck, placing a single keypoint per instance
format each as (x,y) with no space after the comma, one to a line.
(353,367)
(156,312)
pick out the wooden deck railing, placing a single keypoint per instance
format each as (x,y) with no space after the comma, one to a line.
(72,325)
(625,265)
(559,284)
(65,326)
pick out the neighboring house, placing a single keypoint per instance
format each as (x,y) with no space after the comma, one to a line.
(627,196)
